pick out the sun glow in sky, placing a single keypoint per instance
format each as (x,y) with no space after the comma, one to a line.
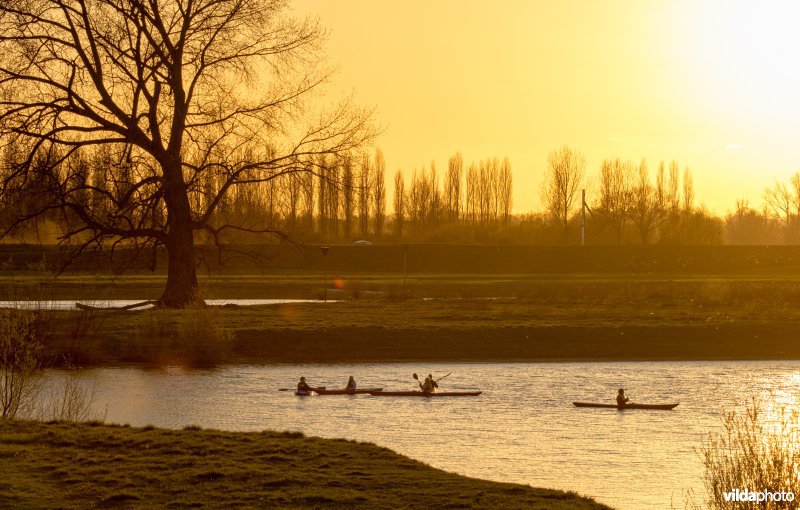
(714,85)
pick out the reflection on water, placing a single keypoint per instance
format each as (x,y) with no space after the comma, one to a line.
(522,429)
(70,304)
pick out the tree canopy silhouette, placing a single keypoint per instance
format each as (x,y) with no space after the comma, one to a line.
(186,99)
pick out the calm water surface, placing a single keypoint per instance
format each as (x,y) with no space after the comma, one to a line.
(523,428)
(70,304)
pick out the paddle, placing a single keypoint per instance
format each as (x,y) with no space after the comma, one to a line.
(415,376)
(295,389)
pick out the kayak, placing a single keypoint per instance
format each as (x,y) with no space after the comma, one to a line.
(348,392)
(660,407)
(323,391)
(424,394)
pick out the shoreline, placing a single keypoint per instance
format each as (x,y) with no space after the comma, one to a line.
(555,344)
(554,320)
(418,332)
(352,346)
(145,366)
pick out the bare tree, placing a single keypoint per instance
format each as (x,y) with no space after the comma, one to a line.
(472,194)
(417,201)
(783,203)
(452,187)
(487,191)
(348,193)
(177,87)
(673,189)
(294,189)
(562,185)
(364,194)
(646,206)
(399,203)
(505,191)
(330,179)
(749,226)
(25,204)
(688,191)
(307,193)
(615,194)
(424,200)
(434,197)
(779,202)
(379,193)
(322,194)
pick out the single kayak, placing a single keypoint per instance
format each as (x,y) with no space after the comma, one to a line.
(424,394)
(349,392)
(661,407)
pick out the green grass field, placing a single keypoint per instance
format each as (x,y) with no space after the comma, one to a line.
(68,465)
(442,318)
(454,303)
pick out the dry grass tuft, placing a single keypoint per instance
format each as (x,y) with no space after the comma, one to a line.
(752,451)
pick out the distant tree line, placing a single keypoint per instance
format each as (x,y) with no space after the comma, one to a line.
(628,205)
(472,204)
(343,199)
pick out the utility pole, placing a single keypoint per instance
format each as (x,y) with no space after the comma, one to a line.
(584,207)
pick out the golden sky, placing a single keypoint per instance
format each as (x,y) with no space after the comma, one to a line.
(714,85)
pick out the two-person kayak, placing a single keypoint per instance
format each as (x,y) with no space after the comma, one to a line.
(655,407)
(350,392)
(323,391)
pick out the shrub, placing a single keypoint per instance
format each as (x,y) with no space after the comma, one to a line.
(21,355)
(69,400)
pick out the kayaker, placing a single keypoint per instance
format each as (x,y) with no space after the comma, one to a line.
(351,384)
(621,398)
(429,386)
(303,385)
(433,382)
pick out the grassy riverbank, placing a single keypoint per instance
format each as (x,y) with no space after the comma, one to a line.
(436,318)
(67,465)
(609,328)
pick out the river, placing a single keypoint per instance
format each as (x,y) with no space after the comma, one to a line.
(523,428)
(72,304)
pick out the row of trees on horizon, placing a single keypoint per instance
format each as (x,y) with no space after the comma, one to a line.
(153,126)
(345,199)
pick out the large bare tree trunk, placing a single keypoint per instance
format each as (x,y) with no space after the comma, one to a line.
(181,290)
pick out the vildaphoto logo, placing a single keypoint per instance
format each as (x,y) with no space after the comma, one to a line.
(758,497)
